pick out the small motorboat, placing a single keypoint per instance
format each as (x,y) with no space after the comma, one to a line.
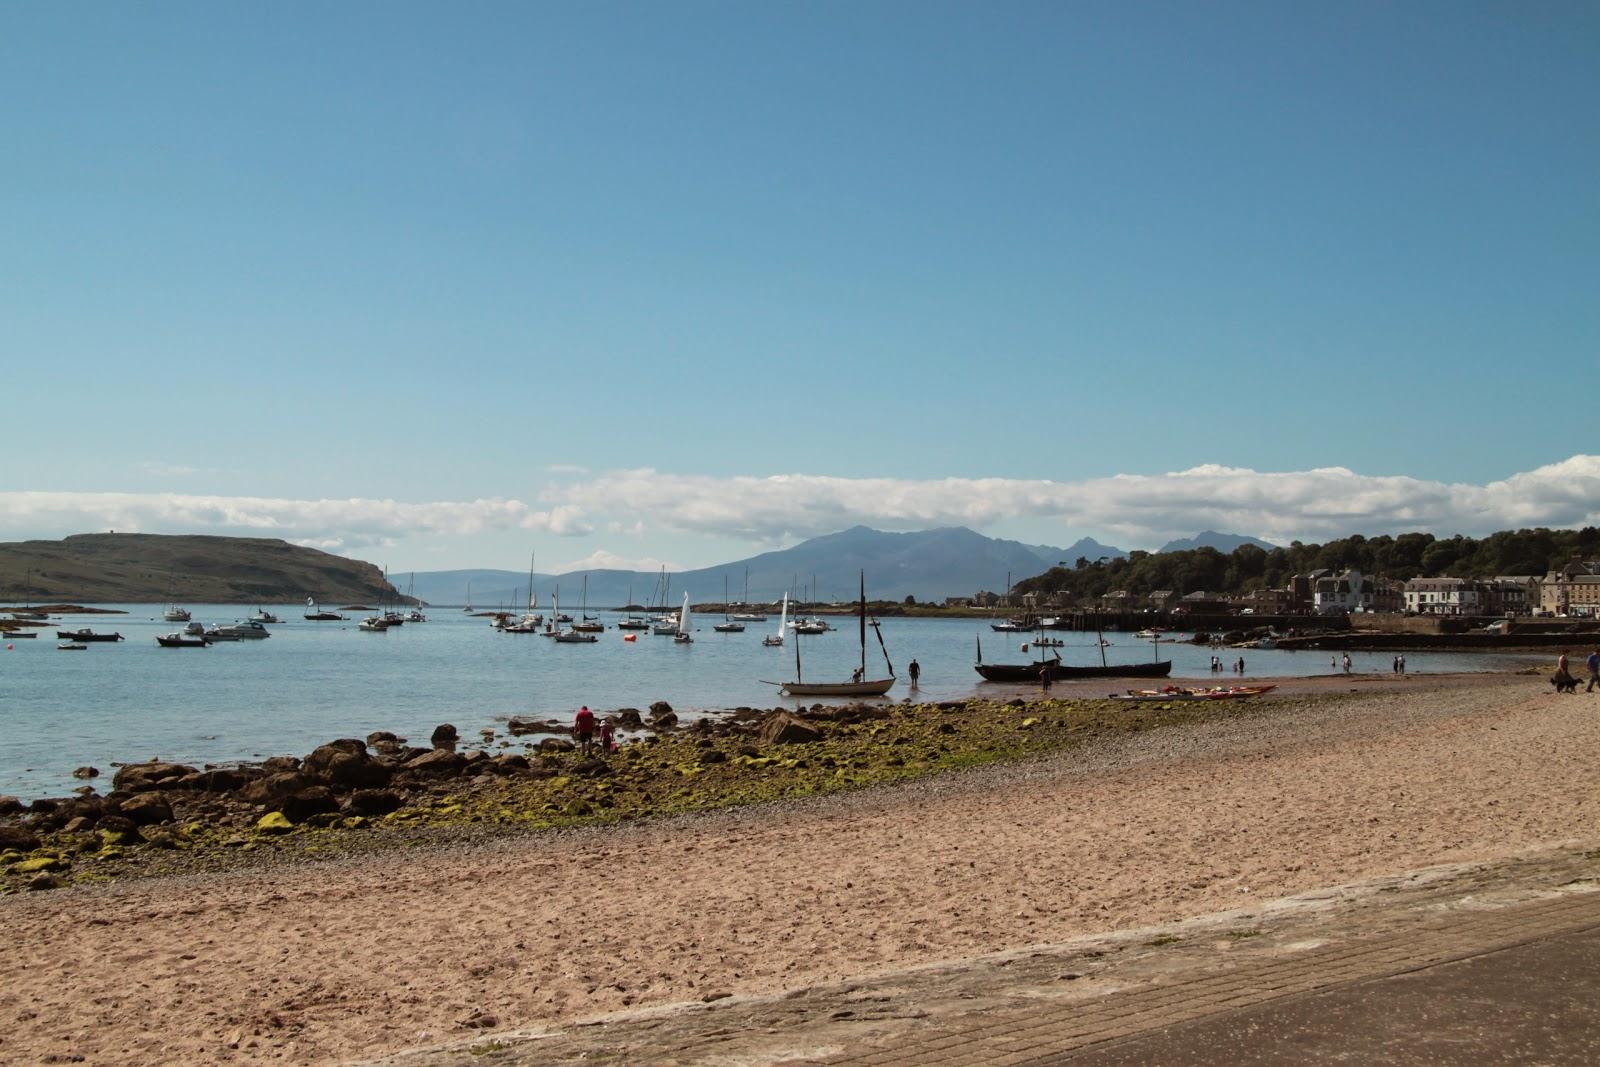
(176,614)
(13,634)
(183,640)
(729,627)
(376,624)
(86,635)
(72,646)
(1147,635)
(249,630)
(264,617)
(809,626)
(575,637)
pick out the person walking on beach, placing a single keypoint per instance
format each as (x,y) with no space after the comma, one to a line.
(608,731)
(916,671)
(1593,663)
(1047,675)
(583,726)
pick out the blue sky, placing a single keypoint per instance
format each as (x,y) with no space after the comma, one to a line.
(432,284)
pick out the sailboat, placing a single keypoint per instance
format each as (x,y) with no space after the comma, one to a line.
(632,621)
(566,637)
(683,635)
(316,614)
(1030,672)
(776,640)
(468,607)
(747,616)
(727,625)
(859,685)
(587,624)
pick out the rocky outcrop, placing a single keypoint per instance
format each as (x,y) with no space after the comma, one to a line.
(345,764)
(274,787)
(372,802)
(781,728)
(301,805)
(18,838)
(144,809)
(439,763)
(138,777)
(444,736)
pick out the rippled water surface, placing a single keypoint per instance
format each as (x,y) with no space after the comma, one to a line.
(311,682)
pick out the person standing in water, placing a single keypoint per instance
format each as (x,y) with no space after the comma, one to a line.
(916,671)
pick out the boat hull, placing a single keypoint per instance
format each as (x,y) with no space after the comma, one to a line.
(874,688)
(1029,672)
(86,635)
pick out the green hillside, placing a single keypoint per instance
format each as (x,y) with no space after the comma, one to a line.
(115,568)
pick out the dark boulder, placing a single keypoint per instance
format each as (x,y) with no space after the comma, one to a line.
(215,780)
(117,824)
(659,708)
(444,736)
(18,838)
(140,777)
(517,726)
(10,805)
(666,720)
(300,806)
(280,764)
(510,763)
(440,763)
(86,772)
(44,805)
(146,808)
(384,737)
(628,719)
(273,787)
(556,744)
(781,728)
(345,765)
(372,802)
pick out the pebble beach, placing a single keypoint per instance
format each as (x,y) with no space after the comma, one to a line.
(324,956)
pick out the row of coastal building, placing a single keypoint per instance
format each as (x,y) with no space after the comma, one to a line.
(1571,591)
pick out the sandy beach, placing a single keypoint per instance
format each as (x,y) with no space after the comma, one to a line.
(1333,780)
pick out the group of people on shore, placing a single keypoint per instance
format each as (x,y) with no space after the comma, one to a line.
(1217,668)
(585,727)
(1565,681)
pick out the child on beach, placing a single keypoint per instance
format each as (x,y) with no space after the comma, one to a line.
(608,731)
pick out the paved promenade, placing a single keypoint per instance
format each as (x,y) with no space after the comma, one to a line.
(1471,965)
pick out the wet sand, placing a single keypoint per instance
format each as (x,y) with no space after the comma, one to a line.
(322,962)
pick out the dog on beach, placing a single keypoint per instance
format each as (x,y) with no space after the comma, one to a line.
(1564,682)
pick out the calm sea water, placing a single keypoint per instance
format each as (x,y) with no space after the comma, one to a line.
(311,682)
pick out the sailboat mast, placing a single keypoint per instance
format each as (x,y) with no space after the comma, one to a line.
(863,624)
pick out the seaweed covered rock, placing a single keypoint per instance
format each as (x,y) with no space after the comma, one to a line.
(781,728)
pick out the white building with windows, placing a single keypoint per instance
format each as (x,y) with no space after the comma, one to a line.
(1444,596)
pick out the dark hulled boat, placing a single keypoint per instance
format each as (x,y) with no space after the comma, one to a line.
(86,635)
(1062,672)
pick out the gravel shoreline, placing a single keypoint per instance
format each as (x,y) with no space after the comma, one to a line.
(321,961)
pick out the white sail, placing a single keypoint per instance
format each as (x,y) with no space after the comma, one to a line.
(783,617)
(683,616)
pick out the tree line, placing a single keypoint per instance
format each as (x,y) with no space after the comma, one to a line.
(1249,567)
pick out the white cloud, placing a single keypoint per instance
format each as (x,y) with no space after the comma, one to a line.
(601,560)
(1142,509)
(1145,509)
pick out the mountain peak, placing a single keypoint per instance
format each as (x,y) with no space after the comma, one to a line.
(1222,542)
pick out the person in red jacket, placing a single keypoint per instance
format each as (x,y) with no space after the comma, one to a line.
(583,727)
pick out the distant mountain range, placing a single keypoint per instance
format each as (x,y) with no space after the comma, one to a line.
(1222,542)
(928,564)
